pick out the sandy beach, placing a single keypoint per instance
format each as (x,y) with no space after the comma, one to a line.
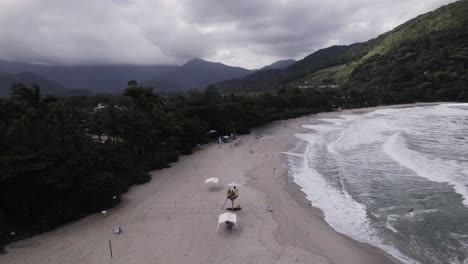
(173,218)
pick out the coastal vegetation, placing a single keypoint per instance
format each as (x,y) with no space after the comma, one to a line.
(63,158)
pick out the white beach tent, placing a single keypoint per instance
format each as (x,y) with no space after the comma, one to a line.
(212,180)
(227,217)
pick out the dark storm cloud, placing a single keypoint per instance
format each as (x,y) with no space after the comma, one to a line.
(243,32)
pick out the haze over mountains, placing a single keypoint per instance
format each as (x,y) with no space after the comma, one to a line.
(426,55)
(195,74)
(98,79)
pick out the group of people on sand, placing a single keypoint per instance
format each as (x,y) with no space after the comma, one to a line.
(235,140)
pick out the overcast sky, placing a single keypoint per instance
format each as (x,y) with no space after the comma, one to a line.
(247,33)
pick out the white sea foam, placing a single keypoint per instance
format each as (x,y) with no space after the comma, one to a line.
(293,154)
(433,169)
(334,121)
(350,117)
(390,219)
(342,212)
(386,111)
(440,110)
(448,109)
(365,131)
(321,128)
(333,202)
(383,127)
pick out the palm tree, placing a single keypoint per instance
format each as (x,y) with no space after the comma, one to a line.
(30,96)
(97,124)
(143,97)
(33,110)
(113,122)
(7,112)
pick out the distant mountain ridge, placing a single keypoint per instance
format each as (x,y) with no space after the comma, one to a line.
(196,74)
(47,87)
(96,78)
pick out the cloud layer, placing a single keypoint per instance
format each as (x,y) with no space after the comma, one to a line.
(243,33)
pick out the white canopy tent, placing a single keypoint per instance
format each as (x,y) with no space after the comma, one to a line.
(227,217)
(212,180)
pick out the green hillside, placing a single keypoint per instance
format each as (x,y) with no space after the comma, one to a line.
(271,79)
(425,58)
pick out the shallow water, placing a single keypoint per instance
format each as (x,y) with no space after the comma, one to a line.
(395,178)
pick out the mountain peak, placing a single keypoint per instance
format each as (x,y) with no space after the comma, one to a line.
(279,64)
(197,74)
(196,61)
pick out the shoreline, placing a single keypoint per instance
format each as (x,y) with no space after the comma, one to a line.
(365,253)
(295,190)
(172,218)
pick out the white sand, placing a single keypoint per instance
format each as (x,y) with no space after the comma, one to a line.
(173,218)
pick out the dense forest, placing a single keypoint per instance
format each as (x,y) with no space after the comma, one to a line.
(425,59)
(63,158)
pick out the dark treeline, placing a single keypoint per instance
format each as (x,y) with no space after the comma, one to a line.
(63,158)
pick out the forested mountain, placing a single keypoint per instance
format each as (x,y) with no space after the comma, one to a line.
(425,59)
(196,74)
(272,79)
(96,78)
(48,87)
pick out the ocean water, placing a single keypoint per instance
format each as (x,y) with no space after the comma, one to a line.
(394,178)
